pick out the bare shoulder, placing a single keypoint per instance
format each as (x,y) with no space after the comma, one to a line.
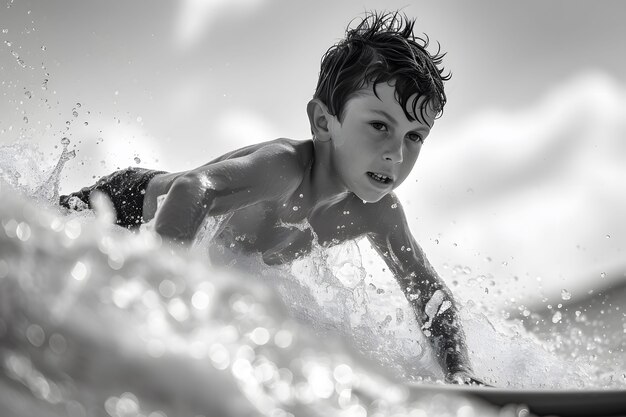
(280,162)
(296,151)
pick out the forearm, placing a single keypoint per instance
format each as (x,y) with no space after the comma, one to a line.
(430,298)
(448,340)
(183,210)
(437,314)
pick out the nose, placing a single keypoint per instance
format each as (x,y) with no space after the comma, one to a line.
(393,153)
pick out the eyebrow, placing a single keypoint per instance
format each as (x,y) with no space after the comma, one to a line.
(387,115)
(393,120)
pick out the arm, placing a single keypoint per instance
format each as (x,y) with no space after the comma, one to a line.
(429,296)
(268,173)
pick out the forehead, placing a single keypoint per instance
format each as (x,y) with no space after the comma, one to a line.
(385,98)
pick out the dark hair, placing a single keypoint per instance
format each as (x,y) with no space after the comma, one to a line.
(382,48)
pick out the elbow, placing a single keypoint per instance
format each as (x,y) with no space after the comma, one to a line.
(191,189)
(184,208)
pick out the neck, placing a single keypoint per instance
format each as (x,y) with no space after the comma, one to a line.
(324,185)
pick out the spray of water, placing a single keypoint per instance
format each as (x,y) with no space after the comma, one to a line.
(95,320)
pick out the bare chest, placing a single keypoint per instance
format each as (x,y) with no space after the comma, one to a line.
(282,233)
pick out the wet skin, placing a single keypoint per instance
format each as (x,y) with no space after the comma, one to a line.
(274,229)
(341,183)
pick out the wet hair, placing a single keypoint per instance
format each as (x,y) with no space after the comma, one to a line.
(383,48)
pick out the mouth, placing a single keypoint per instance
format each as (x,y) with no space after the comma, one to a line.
(383,179)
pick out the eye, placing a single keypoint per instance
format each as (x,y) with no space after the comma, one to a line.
(414,137)
(379,126)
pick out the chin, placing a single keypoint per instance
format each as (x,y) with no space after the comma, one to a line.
(370,198)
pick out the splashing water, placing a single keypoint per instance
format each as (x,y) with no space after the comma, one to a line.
(21,169)
(95,320)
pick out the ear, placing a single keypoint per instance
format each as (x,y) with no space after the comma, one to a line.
(320,120)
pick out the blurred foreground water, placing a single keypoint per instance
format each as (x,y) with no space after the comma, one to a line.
(97,321)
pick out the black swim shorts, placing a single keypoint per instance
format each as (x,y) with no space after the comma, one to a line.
(125,188)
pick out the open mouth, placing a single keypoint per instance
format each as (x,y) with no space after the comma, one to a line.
(383,179)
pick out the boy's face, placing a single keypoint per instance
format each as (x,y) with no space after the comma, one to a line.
(376,146)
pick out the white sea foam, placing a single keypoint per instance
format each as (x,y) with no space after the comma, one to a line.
(93,317)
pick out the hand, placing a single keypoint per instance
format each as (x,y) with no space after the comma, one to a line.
(465,378)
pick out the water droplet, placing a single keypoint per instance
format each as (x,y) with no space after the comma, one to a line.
(139,119)
(44,84)
(58,344)
(343,374)
(75,113)
(5,31)
(86,123)
(437,241)
(28,94)
(295,208)
(22,231)
(137,160)
(79,272)
(65,141)
(565,295)
(200,300)
(260,336)
(178,309)
(603,275)
(394,205)
(167,288)
(35,335)
(608,236)
(43,47)
(25,119)
(557,317)
(283,338)
(72,229)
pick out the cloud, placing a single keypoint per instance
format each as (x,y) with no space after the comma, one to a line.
(196,16)
(238,127)
(541,189)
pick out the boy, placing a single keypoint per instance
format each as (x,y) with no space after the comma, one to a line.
(378,94)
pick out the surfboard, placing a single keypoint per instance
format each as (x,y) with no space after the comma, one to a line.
(587,403)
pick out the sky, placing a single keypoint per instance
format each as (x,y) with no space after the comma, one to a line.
(523,179)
